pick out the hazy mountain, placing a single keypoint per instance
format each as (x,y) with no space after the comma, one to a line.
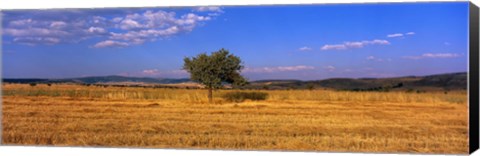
(450,81)
(102,80)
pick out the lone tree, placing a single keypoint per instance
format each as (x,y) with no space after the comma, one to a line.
(215,70)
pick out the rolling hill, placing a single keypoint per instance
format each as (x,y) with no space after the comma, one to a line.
(103,80)
(449,81)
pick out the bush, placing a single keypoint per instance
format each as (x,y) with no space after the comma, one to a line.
(242,96)
(33,84)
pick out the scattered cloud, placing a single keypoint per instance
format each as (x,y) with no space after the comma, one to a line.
(373,58)
(124,74)
(31,41)
(179,72)
(151,26)
(334,47)
(410,33)
(277,69)
(96,30)
(356,44)
(157,73)
(38,31)
(395,35)
(305,48)
(440,55)
(400,34)
(58,24)
(116,29)
(151,72)
(433,55)
(208,9)
(34,32)
(329,68)
(110,43)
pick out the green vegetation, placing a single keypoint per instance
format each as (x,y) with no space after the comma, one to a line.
(242,96)
(215,69)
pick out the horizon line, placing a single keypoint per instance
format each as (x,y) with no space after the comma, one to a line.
(251,80)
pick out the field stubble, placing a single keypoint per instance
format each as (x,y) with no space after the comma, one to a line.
(318,120)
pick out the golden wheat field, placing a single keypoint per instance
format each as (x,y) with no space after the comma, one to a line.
(300,120)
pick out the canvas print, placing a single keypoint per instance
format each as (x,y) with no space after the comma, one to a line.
(373,77)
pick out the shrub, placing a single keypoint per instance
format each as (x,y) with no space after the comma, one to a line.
(421,91)
(310,87)
(242,96)
(33,84)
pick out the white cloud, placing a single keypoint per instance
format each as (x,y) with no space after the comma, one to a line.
(96,30)
(129,29)
(39,32)
(208,9)
(22,22)
(179,72)
(58,24)
(356,44)
(151,26)
(395,35)
(373,58)
(142,35)
(129,24)
(440,55)
(158,20)
(294,68)
(151,72)
(433,55)
(305,48)
(157,73)
(110,43)
(329,68)
(117,19)
(34,31)
(334,47)
(99,19)
(277,69)
(400,34)
(33,40)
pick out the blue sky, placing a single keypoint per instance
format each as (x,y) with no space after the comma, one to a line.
(306,42)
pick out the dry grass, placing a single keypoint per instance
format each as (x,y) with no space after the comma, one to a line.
(71,115)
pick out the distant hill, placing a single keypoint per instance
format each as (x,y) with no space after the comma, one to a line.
(102,80)
(450,81)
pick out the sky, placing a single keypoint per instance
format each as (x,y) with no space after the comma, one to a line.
(305,42)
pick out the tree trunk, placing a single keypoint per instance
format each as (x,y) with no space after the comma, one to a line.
(210,95)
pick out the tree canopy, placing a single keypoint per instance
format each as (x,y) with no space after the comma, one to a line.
(216,69)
